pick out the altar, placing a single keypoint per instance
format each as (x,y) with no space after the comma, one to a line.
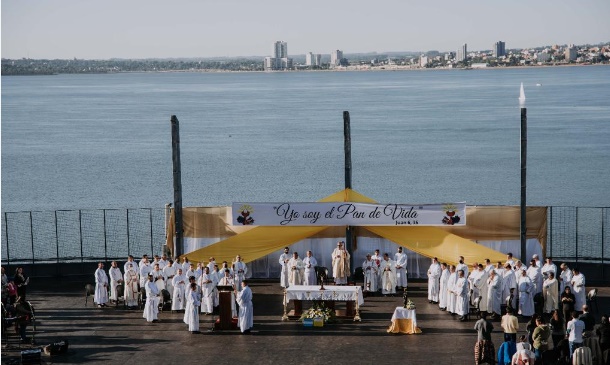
(351,295)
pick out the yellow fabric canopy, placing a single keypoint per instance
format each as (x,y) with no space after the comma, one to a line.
(446,243)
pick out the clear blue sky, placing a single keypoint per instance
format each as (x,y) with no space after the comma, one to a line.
(209,28)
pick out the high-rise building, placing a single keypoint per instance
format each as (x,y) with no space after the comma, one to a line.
(499,49)
(335,58)
(279,59)
(312,59)
(462,53)
(571,53)
(423,60)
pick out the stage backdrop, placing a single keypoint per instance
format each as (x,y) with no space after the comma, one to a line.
(491,232)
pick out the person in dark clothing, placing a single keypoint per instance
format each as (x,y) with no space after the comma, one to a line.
(603,333)
(588,318)
(484,350)
(24,313)
(21,281)
(567,304)
(557,326)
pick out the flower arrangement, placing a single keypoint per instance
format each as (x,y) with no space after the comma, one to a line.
(410,304)
(319,310)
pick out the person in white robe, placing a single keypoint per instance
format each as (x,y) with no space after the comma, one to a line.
(442,293)
(245,321)
(526,296)
(510,260)
(377,257)
(565,278)
(533,272)
(169,271)
(225,266)
(550,290)
(178,298)
(239,270)
(340,261)
(134,266)
(537,261)
(157,275)
(186,264)
(227,280)
(578,289)
(400,258)
(145,269)
(207,292)
(143,262)
(211,264)
(434,275)
(191,313)
(199,271)
(131,286)
(310,264)
(216,276)
(369,268)
(163,262)
(101,286)
(474,275)
(488,266)
(285,272)
(191,272)
(460,289)
(151,308)
(116,278)
(297,270)
(549,267)
(462,266)
(387,269)
(509,287)
(481,286)
(494,294)
(451,297)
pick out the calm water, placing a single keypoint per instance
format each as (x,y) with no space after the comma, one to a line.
(103,141)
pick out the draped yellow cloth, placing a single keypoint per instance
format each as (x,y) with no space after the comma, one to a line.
(403,325)
(445,243)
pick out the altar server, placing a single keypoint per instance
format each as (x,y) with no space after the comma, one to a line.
(207,291)
(451,296)
(400,259)
(443,295)
(191,313)
(461,292)
(285,273)
(246,314)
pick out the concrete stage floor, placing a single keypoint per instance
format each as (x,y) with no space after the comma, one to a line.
(109,335)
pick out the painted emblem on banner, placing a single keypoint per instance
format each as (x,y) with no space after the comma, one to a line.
(245,216)
(451,217)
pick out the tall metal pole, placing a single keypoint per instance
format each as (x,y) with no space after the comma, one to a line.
(523,176)
(179,243)
(349,230)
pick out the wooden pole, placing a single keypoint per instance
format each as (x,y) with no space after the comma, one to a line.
(179,243)
(523,185)
(349,230)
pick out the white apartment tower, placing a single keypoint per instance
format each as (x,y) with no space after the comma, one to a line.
(335,58)
(462,53)
(279,57)
(571,53)
(312,59)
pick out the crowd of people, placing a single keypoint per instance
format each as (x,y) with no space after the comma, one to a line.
(554,301)
(16,310)
(191,288)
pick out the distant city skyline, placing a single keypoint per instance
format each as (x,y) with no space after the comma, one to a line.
(67,29)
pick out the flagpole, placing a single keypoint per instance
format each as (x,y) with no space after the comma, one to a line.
(349,230)
(179,243)
(523,225)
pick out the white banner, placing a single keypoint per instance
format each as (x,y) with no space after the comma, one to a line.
(348,214)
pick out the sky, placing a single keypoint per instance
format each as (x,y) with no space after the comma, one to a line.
(227,28)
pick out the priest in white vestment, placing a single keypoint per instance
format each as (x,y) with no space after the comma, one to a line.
(480,283)
(565,278)
(131,286)
(442,293)
(186,265)
(227,280)
(451,296)
(387,269)
(245,320)
(494,294)
(101,286)
(509,283)
(526,296)
(310,264)
(578,289)
(151,308)
(163,262)
(158,277)
(461,292)
(239,270)
(550,290)
(340,261)
(369,268)
(169,271)
(216,276)
(191,314)
(207,292)
(434,275)
(297,270)
(549,267)
(116,278)
(400,258)
(535,275)
(285,272)
(133,264)
(510,260)
(211,264)
(488,266)
(462,266)
(145,269)
(179,283)
(377,257)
